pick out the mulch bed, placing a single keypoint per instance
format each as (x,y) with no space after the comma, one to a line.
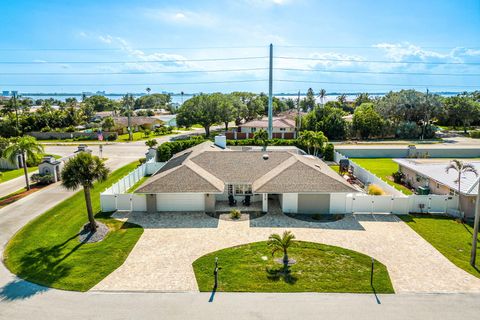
(248,215)
(19,196)
(86,236)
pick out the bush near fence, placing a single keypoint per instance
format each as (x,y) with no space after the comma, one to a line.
(167,149)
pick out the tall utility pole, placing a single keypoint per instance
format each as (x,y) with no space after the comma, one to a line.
(14,103)
(127,100)
(299,119)
(270,85)
(473,255)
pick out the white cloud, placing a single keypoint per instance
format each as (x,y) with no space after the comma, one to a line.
(268,3)
(405,51)
(182,17)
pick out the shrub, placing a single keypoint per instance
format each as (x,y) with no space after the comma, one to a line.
(329,150)
(398,176)
(34,160)
(70,129)
(375,190)
(42,179)
(112,137)
(235,214)
(46,129)
(164,152)
(475,134)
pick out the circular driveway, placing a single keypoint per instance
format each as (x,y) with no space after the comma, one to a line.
(162,259)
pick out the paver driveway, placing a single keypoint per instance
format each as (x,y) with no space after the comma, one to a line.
(162,258)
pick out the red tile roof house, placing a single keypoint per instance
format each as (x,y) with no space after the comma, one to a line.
(283,128)
(203,177)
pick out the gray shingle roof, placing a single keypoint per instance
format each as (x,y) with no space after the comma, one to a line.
(206,168)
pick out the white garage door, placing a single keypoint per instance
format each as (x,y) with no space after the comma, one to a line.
(181,202)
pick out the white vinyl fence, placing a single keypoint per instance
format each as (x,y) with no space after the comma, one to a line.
(364,203)
(367,177)
(117,198)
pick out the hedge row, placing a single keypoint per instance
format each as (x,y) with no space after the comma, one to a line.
(166,150)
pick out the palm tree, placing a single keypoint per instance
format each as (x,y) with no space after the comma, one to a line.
(83,170)
(461,168)
(26,147)
(148,90)
(322,94)
(261,135)
(281,243)
(307,139)
(342,99)
(151,143)
(318,142)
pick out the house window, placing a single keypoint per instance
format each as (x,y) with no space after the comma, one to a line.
(452,192)
(438,186)
(239,189)
(253,129)
(282,129)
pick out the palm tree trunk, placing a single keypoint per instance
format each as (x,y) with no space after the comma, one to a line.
(226,126)
(207,131)
(25,171)
(459,202)
(88,201)
(285,259)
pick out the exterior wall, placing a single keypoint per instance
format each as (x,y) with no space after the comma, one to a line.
(337,203)
(180,202)
(314,203)
(275,129)
(435,188)
(68,135)
(289,202)
(7,165)
(234,135)
(210,202)
(468,205)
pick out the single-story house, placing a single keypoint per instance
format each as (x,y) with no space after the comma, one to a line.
(283,128)
(197,178)
(431,175)
(150,123)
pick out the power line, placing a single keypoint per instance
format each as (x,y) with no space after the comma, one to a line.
(134,61)
(231,70)
(381,72)
(131,84)
(379,84)
(377,61)
(137,48)
(128,72)
(370,47)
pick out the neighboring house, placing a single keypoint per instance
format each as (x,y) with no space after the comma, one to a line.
(150,123)
(283,128)
(197,178)
(430,175)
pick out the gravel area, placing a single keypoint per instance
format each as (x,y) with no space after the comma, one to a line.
(86,236)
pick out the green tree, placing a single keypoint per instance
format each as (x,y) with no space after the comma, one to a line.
(308,103)
(203,109)
(153,101)
(281,243)
(367,121)
(261,136)
(108,124)
(83,170)
(322,94)
(99,103)
(151,143)
(462,109)
(461,168)
(362,98)
(26,147)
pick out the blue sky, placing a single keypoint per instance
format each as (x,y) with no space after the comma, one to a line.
(141,34)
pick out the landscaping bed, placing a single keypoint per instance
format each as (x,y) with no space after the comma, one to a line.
(318,268)
(47,250)
(19,194)
(452,238)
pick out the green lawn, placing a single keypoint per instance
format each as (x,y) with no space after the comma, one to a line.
(47,251)
(451,238)
(136,185)
(335,168)
(319,268)
(12,174)
(382,168)
(137,136)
